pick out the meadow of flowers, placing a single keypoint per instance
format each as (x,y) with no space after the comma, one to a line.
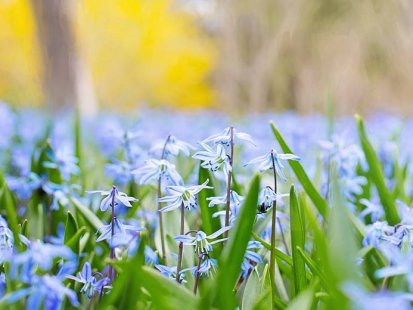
(198,211)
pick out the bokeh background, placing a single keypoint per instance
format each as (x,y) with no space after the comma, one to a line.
(231,55)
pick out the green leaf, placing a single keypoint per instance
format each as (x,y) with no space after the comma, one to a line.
(313,267)
(234,250)
(252,292)
(209,224)
(319,202)
(297,241)
(8,208)
(89,216)
(71,227)
(377,176)
(302,301)
(74,242)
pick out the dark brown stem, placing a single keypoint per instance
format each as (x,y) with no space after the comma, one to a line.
(200,257)
(229,179)
(181,246)
(163,248)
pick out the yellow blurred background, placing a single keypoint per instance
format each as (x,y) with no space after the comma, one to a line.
(243,55)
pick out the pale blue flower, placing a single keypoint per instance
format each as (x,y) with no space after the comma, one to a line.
(182,195)
(267,198)
(401,264)
(170,272)
(271,159)
(6,241)
(224,137)
(251,258)
(172,147)
(377,233)
(120,199)
(91,284)
(121,233)
(155,169)
(25,185)
(201,240)
(45,292)
(64,161)
(60,193)
(381,300)
(206,269)
(151,258)
(214,159)
(119,171)
(235,200)
(374,209)
(38,255)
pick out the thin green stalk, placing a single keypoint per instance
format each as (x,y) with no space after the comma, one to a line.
(112,250)
(181,246)
(161,227)
(229,179)
(273,231)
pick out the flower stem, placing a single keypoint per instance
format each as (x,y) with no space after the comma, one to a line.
(282,236)
(229,179)
(200,257)
(112,249)
(163,254)
(273,231)
(181,246)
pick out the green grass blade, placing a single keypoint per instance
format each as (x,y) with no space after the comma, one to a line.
(318,200)
(88,215)
(297,241)
(8,209)
(209,224)
(377,176)
(234,250)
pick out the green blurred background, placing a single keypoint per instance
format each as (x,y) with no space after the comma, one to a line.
(231,55)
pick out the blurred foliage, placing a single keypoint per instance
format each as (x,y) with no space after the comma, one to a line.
(136,51)
(240,55)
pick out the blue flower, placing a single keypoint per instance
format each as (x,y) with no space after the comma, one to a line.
(60,193)
(6,241)
(375,210)
(121,234)
(24,186)
(401,264)
(151,258)
(251,258)
(119,171)
(224,137)
(200,240)
(214,159)
(380,300)
(377,233)
(271,159)
(170,272)
(182,195)
(155,169)
(207,267)
(64,161)
(39,255)
(120,199)
(235,200)
(44,290)
(91,284)
(267,198)
(172,147)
